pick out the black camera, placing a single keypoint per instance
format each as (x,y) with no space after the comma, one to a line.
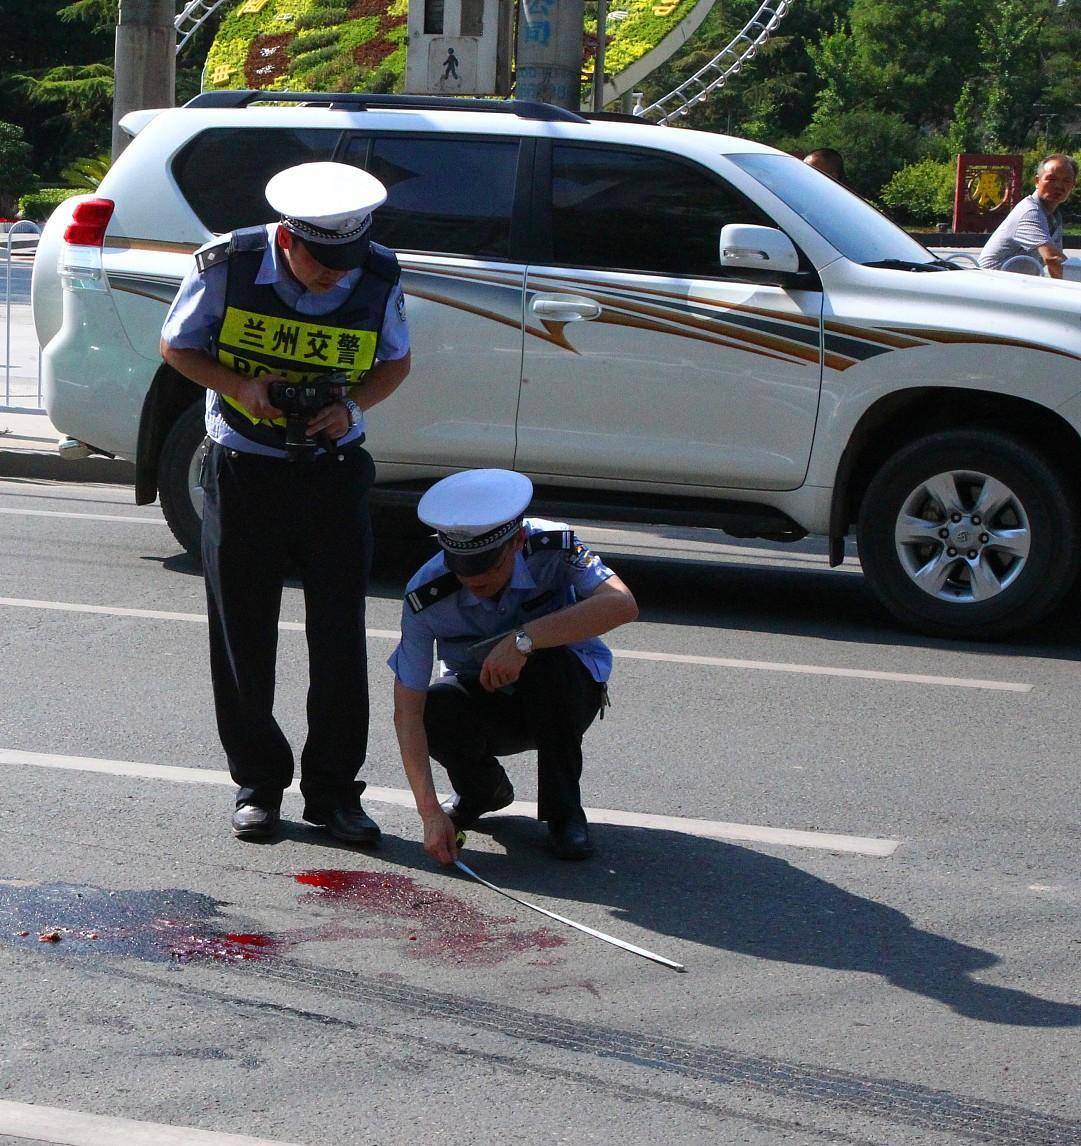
(298,401)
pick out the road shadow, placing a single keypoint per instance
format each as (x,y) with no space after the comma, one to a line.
(824,604)
(726,595)
(393,563)
(733,898)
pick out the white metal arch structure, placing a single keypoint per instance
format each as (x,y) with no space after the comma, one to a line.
(727,63)
(634,73)
(191,18)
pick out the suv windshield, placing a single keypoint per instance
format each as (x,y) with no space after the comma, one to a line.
(841,217)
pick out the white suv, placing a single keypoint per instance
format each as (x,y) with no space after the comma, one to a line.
(654,324)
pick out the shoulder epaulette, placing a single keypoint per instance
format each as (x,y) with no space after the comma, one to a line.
(213,253)
(432,591)
(382,261)
(549,541)
(239,242)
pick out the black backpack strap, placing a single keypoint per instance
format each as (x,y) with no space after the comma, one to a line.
(432,591)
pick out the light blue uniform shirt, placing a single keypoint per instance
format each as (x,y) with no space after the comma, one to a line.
(198,308)
(551,578)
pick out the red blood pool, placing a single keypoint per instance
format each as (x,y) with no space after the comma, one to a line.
(443,927)
(249,940)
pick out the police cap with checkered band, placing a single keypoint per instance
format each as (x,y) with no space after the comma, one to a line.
(474,513)
(328,206)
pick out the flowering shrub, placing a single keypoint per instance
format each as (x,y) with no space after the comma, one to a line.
(326,45)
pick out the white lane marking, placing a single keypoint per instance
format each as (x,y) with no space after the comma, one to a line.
(625,654)
(75,1128)
(402,797)
(86,516)
(827,670)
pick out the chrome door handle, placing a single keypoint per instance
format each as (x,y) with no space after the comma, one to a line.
(565,307)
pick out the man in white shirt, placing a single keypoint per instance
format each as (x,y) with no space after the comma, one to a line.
(1034,226)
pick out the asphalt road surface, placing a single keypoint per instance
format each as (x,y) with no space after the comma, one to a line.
(862,844)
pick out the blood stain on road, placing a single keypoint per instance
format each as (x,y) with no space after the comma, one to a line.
(436,926)
(185,927)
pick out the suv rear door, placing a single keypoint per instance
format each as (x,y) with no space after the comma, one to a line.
(453,217)
(643,359)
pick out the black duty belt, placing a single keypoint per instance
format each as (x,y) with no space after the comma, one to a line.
(336,454)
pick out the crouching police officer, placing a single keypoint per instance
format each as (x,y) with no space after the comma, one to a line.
(286,302)
(515,607)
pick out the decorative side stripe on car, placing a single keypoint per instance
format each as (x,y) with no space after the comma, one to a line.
(161,288)
(954,336)
(127,243)
(735,326)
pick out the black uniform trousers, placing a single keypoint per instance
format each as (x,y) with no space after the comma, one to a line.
(265,519)
(548,708)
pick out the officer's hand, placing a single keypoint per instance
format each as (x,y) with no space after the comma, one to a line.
(251,393)
(332,420)
(439,833)
(502,666)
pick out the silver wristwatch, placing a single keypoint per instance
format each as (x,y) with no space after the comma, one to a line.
(523,642)
(353,410)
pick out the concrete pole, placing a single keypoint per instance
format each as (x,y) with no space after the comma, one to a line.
(549,61)
(145,61)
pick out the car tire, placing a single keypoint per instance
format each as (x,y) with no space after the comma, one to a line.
(179,469)
(969,533)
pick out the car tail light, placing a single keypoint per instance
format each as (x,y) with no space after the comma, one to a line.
(88,223)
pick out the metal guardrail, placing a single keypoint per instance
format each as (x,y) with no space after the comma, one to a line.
(29,398)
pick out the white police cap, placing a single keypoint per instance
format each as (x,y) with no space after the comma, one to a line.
(326,203)
(477,510)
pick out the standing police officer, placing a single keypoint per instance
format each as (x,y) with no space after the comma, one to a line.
(515,607)
(286,302)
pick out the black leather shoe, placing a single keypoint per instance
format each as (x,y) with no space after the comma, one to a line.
(464,811)
(352,824)
(570,837)
(250,822)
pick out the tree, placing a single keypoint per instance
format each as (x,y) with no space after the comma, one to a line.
(1010,36)
(16,176)
(33,41)
(915,57)
(875,144)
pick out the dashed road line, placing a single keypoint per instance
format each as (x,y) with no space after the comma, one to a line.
(402,797)
(76,1128)
(625,654)
(86,516)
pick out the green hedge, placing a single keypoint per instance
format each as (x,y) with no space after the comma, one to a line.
(921,194)
(39,205)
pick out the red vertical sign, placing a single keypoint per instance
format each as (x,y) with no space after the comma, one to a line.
(988,186)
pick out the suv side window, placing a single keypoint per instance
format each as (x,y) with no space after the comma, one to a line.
(446,195)
(222,171)
(614,209)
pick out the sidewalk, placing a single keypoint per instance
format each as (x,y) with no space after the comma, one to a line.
(28,449)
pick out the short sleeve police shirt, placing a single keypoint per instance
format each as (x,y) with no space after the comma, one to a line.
(440,616)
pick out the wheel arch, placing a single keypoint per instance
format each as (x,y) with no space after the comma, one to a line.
(169,395)
(899,418)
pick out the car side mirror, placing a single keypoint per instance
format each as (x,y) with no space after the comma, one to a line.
(757,248)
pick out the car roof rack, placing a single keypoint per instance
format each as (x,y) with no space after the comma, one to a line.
(616,117)
(365,101)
